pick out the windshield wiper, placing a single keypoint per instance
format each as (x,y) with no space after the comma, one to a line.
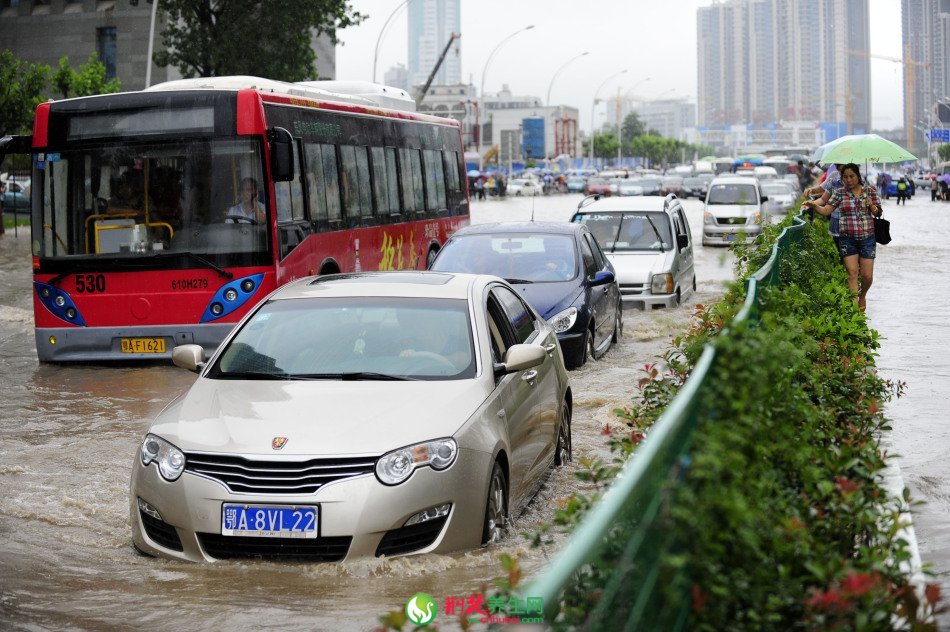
(354,376)
(209,264)
(250,375)
(523,281)
(655,231)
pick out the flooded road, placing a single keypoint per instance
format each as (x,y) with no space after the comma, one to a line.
(908,304)
(68,436)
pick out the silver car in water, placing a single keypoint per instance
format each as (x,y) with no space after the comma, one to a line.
(357,415)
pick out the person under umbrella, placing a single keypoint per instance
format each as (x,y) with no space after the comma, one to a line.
(858,204)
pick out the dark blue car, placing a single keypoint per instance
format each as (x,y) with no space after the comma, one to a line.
(560,270)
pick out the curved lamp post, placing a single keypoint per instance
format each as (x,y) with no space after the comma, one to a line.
(547,101)
(481,91)
(593,105)
(382,31)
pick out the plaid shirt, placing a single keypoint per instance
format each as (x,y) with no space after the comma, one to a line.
(855,211)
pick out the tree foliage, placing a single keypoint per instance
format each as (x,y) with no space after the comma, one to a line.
(944,151)
(89,79)
(632,127)
(24,85)
(21,90)
(208,38)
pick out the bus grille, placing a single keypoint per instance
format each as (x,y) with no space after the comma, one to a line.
(245,476)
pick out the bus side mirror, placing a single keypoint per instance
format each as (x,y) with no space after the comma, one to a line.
(281,154)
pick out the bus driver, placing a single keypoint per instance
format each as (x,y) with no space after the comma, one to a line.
(248,210)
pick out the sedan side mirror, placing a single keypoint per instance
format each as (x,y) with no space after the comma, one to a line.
(602,277)
(682,241)
(521,357)
(765,198)
(191,357)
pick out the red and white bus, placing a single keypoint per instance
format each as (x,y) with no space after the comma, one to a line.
(136,244)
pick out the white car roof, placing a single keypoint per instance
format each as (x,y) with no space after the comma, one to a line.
(734,180)
(645,203)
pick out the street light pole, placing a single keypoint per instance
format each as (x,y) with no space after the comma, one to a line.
(151,40)
(379,39)
(547,101)
(481,91)
(594,105)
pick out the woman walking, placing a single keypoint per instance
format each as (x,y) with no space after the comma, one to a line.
(857,205)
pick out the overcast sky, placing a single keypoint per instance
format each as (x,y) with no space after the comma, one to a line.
(653,39)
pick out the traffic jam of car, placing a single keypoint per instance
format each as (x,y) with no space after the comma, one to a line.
(456,376)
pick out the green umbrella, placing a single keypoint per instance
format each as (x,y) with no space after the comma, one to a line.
(866,148)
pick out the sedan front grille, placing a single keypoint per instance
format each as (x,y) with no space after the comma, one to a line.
(224,547)
(246,476)
(728,221)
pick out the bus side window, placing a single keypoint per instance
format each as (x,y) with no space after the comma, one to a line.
(316,186)
(410,172)
(385,188)
(332,179)
(453,183)
(363,179)
(290,195)
(349,181)
(435,182)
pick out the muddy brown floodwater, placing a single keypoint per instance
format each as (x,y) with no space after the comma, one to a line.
(68,435)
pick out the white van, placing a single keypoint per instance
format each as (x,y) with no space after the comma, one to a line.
(648,242)
(734,206)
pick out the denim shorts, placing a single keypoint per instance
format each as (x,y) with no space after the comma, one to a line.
(864,248)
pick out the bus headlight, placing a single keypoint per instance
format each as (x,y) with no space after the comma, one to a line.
(396,466)
(171,460)
(230,295)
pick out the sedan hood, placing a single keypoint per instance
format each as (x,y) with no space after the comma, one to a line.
(549,298)
(732,210)
(317,417)
(639,267)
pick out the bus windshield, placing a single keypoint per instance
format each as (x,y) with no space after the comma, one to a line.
(122,200)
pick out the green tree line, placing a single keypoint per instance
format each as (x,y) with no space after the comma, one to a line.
(24,85)
(637,141)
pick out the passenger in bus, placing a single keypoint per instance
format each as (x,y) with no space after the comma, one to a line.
(127,195)
(165,196)
(248,210)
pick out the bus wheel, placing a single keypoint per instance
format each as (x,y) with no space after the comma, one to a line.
(329,269)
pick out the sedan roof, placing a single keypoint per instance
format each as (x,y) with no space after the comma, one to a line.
(402,283)
(550,228)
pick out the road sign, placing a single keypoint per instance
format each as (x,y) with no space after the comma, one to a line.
(939,135)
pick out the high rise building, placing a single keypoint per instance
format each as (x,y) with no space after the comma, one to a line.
(431,24)
(771,62)
(398,77)
(925,26)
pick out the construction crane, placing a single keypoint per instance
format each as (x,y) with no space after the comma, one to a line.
(910,73)
(438,64)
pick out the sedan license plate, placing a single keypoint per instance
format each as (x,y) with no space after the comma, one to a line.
(143,345)
(729,236)
(269,521)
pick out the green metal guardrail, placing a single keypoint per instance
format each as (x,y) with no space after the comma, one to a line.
(627,530)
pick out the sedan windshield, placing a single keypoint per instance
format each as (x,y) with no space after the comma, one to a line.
(629,230)
(732,194)
(353,338)
(517,257)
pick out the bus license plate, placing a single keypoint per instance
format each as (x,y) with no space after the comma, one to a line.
(143,345)
(269,521)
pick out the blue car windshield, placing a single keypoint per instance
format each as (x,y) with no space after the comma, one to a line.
(517,257)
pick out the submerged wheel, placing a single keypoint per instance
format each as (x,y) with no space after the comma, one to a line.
(618,324)
(496,509)
(580,358)
(563,450)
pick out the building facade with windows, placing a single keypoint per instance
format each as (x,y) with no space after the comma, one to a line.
(431,24)
(777,63)
(925,26)
(43,31)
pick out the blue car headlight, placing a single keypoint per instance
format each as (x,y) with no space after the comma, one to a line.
(563,321)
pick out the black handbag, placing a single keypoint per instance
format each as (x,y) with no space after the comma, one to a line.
(882,231)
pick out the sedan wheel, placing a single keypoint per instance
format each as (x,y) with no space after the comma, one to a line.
(563,452)
(496,510)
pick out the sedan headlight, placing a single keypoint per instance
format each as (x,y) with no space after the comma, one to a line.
(755,218)
(396,466)
(708,218)
(662,284)
(171,460)
(563,321)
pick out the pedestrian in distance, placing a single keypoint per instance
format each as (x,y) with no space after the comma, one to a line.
(934,187)
(858,205)
(902,191)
